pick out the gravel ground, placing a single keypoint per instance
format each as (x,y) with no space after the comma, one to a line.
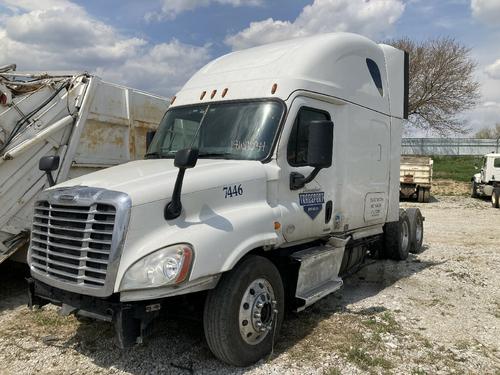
(436,313)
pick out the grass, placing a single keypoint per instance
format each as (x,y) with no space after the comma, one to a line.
(458,168)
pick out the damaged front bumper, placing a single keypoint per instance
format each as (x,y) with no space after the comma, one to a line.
(131,319)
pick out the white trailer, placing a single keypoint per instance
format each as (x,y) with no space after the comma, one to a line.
(274,172)
(486,183)
(415,177)
(90,124)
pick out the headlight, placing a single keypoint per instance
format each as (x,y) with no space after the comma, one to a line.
(169,265)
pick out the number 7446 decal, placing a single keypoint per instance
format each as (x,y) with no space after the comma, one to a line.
(231,191)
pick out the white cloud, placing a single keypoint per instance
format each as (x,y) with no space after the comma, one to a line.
(486,11)
(493,70)
(371,18)
(171,8)
(61,35)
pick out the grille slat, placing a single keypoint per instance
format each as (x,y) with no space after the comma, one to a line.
(73,243)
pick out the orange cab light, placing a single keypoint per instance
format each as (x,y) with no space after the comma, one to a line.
(274,88)
(202,95)
(173,99)
(277,225)
(213,94)
(224,92)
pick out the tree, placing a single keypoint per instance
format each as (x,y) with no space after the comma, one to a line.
(488,133)
(441,84)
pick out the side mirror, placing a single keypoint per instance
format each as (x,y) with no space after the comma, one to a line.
(319,152)
(184,159)
(149,138)
(49,164)
(320,144)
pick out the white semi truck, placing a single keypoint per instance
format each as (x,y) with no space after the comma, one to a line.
(89,123)
(487,181)
(274,172)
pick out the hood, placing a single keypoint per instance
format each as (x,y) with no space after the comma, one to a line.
(151,180)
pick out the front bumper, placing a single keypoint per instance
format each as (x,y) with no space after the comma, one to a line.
(131,319)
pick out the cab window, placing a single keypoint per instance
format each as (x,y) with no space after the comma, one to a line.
(297,144)
(496,163)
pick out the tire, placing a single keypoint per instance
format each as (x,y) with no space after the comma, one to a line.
(397,238)
(495,198)
(427,195)
(473,189)
(416,229)
(420,195)
(225,307)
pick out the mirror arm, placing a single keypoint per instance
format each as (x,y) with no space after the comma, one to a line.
(298,181)
(50,178)
(174,208)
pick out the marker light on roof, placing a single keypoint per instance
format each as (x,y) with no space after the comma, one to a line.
(213,94)
(224,92)
(202,95)
(274,88)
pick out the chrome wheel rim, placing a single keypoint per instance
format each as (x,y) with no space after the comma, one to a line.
(493,198)
(258,310)
(405,237)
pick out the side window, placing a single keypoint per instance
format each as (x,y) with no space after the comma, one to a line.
(297,144)
(375,73)
(496,163)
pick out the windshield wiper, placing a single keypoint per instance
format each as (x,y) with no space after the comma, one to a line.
(152,155)
(217,155)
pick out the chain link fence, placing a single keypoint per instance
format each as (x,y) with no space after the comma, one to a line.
(449,146)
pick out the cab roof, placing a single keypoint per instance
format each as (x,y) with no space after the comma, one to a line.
(341,65)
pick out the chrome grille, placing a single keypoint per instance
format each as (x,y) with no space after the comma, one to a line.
(73,243)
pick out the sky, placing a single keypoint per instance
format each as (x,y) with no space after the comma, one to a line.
(156,45)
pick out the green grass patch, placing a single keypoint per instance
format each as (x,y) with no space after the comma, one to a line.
(458,168)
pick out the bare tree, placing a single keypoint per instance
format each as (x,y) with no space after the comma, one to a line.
(488,133)
(441,84)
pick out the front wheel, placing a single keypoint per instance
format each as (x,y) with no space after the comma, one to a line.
(243,314)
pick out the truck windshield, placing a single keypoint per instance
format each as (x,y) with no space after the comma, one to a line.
(236,130)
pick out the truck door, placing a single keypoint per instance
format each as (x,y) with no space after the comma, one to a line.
(306,212)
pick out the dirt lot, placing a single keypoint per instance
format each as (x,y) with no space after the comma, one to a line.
(436,313)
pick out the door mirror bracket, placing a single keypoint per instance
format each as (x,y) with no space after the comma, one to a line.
(184,159)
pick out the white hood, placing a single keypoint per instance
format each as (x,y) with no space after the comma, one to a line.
(151,180)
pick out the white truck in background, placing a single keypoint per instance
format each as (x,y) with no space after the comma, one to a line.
(486,183)
(90,124)
(274,172)
(415,177)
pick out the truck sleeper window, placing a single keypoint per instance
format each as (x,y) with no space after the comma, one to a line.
(236,130)
(496,163)
(297,143)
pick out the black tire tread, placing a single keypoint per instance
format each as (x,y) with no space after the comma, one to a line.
(216,319)
(413,213)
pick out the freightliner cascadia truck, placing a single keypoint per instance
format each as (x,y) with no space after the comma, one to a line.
(274,172)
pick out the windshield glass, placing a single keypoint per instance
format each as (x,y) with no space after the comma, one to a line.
(243,130)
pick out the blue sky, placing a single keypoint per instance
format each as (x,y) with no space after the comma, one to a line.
(156,45)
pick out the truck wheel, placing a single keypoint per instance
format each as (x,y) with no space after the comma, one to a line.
(473,190)
(495,198)
(416,229)
(420,195)
(243,314)
(397,237)
(427,195)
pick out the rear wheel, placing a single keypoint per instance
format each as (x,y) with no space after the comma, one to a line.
(473,189)
(416,229)
(243,314)
(427,195)
(495,198)
(397,238)
(420,195)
